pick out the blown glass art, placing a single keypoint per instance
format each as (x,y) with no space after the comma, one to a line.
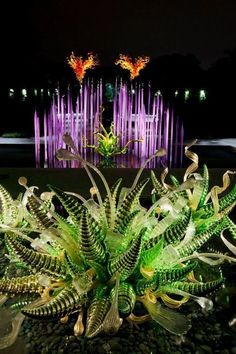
(108,143)
(80,65)
(103,258)
(134,66)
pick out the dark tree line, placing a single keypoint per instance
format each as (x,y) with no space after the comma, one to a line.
(173,73)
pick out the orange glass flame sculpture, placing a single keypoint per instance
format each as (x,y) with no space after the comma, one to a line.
(80,65)
(134,66)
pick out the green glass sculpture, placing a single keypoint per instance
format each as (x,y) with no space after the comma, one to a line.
(100,257)
(108,144)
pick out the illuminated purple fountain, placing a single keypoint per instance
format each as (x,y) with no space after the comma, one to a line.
(137,114)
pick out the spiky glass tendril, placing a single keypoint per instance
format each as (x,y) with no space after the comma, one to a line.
(108,142)
(102,256)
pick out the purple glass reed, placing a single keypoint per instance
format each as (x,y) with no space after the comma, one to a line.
(137,114)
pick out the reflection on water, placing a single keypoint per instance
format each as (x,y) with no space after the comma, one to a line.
(173,158)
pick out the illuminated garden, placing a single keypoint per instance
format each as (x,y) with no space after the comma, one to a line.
(138,253)
(139,121)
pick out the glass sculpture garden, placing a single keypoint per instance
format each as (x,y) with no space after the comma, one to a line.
(139,120)
(111,259)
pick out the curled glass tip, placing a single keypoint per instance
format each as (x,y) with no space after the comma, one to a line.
(69,141)
(63,154)
(232,322)
(228,244)
(9,328)
(206,304)
(3,299)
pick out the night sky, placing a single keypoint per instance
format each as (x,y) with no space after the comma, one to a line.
(41,32)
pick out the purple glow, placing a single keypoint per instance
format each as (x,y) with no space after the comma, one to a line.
(136,115)
(37,139)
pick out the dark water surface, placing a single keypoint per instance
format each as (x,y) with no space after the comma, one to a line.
(23,155)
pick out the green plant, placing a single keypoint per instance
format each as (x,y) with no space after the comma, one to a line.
(103,256)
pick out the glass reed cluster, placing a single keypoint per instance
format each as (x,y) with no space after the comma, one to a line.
(100,257)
